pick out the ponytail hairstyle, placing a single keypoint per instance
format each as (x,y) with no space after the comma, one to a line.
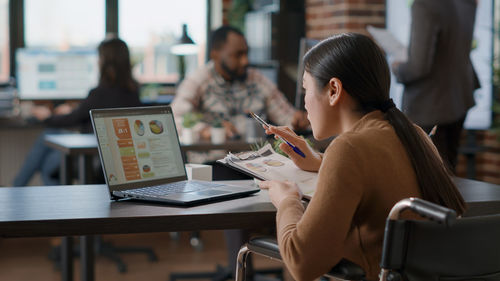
(114,65)
(361,66)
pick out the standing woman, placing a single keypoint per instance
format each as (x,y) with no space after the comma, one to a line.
(378,158)
(116,88)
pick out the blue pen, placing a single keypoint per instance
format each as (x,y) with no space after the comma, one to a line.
(296,149)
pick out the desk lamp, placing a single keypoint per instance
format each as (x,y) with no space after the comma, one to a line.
(185,46)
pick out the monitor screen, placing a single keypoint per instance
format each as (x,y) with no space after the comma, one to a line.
(49,74)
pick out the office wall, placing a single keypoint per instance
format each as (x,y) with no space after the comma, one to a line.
(328,17)
(487,162)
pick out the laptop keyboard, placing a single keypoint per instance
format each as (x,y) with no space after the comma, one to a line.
(166,189)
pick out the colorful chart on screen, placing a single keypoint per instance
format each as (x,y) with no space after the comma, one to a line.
(156,127)
(139,127)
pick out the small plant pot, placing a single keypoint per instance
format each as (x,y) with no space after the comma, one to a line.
(189,136)
(217,135)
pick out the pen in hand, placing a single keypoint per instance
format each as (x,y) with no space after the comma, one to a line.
(261,121)
(433,131)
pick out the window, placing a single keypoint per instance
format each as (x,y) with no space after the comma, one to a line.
(4,40)
(151,27)
(64,24)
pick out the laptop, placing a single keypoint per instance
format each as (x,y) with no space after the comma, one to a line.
(141,158)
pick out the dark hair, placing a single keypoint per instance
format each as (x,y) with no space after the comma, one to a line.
(219,36)
(362,68)
(115,68)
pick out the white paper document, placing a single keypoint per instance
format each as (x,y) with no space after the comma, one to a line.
(391,45)
(266,164)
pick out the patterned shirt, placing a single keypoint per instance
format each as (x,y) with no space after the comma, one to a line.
(207,92)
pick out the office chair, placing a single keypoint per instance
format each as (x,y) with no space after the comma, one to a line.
(444,248)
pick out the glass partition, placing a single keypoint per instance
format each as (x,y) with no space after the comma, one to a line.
(151,40)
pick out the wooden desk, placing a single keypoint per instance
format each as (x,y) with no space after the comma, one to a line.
(482,198)
(73,144)
(86,210)
(80,146)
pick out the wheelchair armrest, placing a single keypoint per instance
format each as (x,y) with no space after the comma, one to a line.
(268,246)
(347,270)
(424,208)
(265,246)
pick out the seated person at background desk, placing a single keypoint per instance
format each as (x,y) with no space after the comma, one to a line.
(116,88)
(378,158)
(225,87)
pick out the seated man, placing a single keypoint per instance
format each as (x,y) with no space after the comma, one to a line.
(225,87)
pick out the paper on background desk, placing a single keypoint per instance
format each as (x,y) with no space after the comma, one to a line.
(391,45)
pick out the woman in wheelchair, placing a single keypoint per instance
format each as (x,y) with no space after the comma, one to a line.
(378,158)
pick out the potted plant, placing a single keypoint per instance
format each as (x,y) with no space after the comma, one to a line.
(217,131)
(189,120)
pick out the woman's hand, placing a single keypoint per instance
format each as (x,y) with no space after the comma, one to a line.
(311,162)
(41,112)
(279,190)
(63,109)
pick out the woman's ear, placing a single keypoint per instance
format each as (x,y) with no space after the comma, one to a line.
(334,91)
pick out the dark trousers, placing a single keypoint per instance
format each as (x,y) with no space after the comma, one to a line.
(447,141)
(43,159)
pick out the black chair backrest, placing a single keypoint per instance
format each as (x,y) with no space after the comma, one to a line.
(469,249)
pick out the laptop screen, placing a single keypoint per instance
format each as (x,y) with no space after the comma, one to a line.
(138,146)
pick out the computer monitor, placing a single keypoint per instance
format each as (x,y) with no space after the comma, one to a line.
(56,75)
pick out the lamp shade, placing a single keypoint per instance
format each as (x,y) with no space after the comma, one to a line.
(185,45)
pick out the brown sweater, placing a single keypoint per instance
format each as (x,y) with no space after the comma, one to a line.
(364,172)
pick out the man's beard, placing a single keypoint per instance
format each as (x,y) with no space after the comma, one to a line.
(233,73)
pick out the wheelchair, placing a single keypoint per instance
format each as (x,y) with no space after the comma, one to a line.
(441,248)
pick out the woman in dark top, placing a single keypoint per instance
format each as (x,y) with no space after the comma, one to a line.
(116,88)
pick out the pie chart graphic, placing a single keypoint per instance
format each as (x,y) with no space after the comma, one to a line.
(273,163)
(256,167)
(139,127)
(156,127)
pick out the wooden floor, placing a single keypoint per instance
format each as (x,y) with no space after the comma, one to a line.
(27,258)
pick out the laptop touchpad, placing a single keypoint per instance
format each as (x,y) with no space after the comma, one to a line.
(210,192)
